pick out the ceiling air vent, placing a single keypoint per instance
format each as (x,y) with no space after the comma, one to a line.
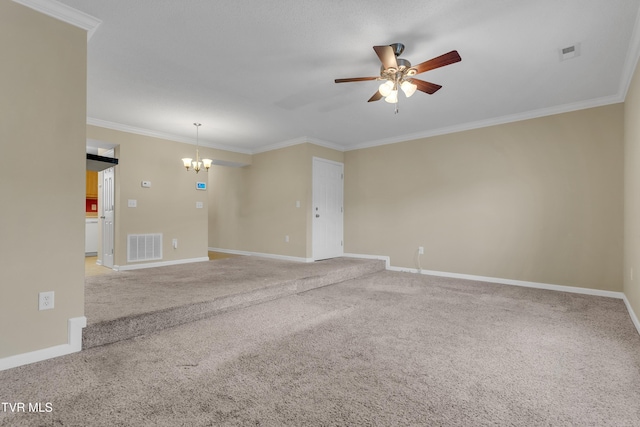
(570,52)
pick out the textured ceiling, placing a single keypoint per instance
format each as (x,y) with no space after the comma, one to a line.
(259,74)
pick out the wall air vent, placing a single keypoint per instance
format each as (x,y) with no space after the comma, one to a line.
(144,247)
(569,52)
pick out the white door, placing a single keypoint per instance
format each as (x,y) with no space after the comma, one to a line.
(108,205)
(327,209)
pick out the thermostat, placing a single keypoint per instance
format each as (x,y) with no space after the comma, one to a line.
(201,185)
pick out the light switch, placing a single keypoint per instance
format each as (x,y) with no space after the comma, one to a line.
(199,205)
(132,203)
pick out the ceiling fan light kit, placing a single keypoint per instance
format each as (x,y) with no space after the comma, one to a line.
(398,73)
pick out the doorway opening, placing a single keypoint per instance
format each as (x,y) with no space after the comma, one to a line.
(100,212)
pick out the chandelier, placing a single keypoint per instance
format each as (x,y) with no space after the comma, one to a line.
(197,163)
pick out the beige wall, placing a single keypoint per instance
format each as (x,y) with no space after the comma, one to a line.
(538,200)
(169,205)
(253,208)
(42,177)
(632,193)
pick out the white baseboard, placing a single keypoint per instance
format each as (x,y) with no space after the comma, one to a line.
(537,285)
(523,283)
(73,345)
(261,254)
(386,259)
(158,264)
(632,313)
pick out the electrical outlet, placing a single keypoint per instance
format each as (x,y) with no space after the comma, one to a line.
(420,250)
(45,300)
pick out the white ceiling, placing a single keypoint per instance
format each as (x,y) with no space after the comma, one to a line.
(259,74)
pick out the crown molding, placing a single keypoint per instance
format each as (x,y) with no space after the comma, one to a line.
(162,135)
(631,61)
(560,109)
(297,141)
(64,13)
(154,134)
(566,108)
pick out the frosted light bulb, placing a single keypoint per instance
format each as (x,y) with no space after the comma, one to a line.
(386,88)
(408,88)
(393,97)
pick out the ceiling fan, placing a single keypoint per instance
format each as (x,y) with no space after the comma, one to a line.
(398,73)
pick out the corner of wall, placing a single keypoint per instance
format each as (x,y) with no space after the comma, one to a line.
(73,345)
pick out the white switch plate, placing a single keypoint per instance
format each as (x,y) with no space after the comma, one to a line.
(199,205)
(45,300)
(146,184)
(132,203)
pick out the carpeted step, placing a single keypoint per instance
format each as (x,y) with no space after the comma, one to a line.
(138,324)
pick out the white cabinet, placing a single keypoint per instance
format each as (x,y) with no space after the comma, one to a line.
(91,236)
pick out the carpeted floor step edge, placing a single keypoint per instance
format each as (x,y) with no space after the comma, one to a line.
(112,331)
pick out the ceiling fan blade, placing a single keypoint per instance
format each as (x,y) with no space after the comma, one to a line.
(376,96)
(387,56)
(440,61)
(355,79)
(426,87)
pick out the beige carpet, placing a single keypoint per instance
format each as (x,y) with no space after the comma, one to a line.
(387,349)
(127,304)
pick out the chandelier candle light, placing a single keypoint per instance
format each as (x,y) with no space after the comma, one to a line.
(197,164)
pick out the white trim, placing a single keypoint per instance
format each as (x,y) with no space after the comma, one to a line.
(632,313)
(566,108)
(386,259)
(543,112)
(631,59)
(158,264)
(512,282)
(162,135)
(74,345)
(262,254)
(64,13)
(298,141)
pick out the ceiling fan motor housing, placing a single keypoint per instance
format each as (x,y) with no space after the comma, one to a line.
(398,48)
(404,70)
